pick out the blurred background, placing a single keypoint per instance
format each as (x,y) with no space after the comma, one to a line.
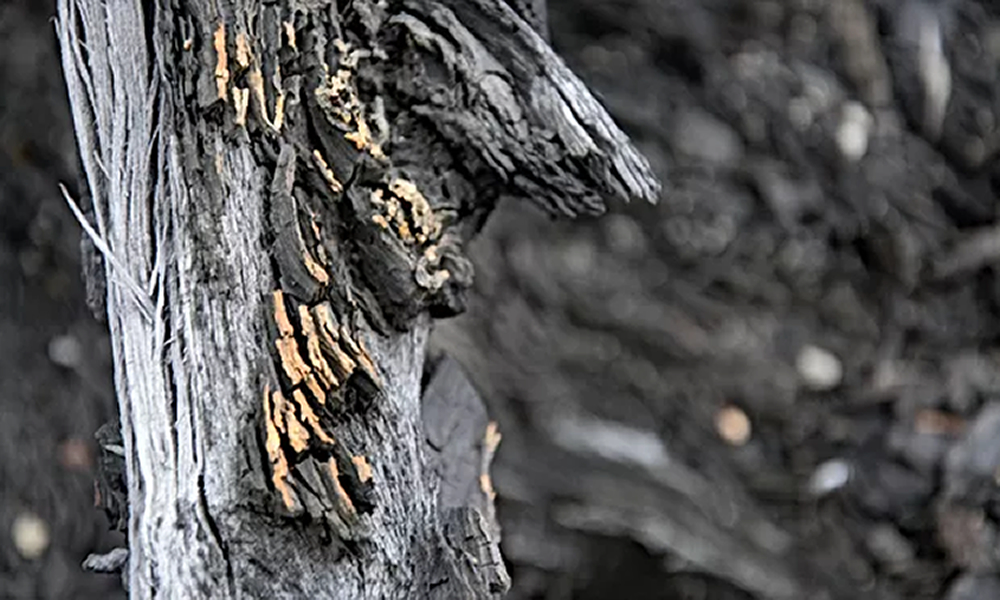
(780,382)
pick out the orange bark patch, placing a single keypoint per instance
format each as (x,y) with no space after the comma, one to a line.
(315,269)
(310,417)
(242,51)
(291,361)
(315,388)
(326,323)
(290,35)
(380,221)
(362,137)
(288,348)
(340,101)
(222,61)
(733,425)
(344,364)
(331,178)
(360,354)
(314,350)
(298,435)
(241,101)
(363,468)
(403,207)
(486,485)
(279,465)
(492,437)
(285,328)
(256,80)
(426,223)
(491,440)
(345,499)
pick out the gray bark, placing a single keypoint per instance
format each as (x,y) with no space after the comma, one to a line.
(281,194)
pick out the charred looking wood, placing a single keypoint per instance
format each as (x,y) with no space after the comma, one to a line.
(491,87)
(296,183)
(503,113)
(460,443)
(461,438)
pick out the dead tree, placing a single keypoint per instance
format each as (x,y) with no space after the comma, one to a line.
(281,192)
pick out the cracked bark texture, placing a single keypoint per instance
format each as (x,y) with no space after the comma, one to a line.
(342,153)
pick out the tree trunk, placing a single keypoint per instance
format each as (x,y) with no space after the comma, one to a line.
(282,191)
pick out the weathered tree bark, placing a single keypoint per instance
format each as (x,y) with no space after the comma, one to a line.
(281,192)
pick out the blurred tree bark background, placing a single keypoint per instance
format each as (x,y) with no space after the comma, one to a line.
(779,382)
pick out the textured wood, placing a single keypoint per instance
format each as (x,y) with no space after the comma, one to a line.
(330,161)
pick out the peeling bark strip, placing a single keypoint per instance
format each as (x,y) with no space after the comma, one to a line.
(292,184)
